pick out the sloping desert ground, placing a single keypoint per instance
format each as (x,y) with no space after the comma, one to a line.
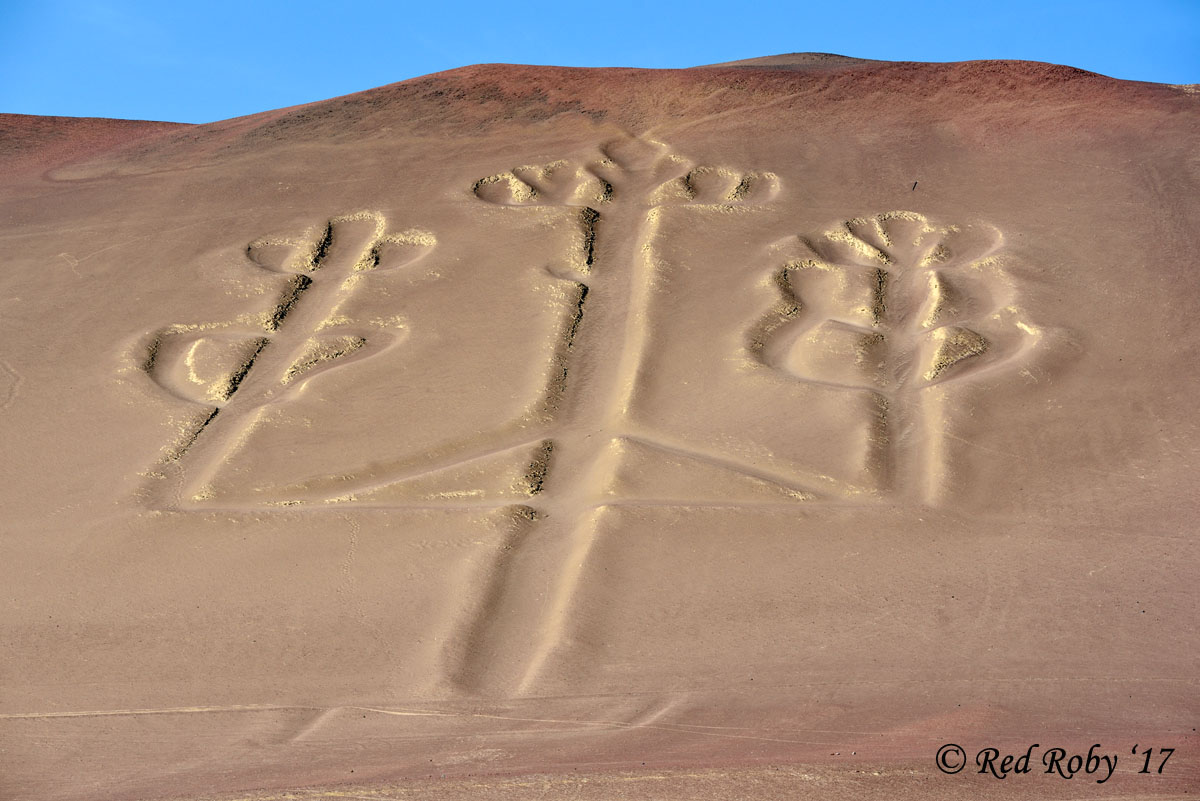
(748,431)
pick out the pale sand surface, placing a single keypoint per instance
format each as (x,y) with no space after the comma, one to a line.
(523,432)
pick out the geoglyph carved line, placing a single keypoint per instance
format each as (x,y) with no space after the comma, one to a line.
(237,374)
(888,307)
(717,186)
(637,178)
(467,657)
(10,384)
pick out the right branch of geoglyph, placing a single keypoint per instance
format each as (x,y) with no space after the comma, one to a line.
(896,306)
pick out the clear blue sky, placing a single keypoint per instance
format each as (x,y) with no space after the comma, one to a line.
(203,61)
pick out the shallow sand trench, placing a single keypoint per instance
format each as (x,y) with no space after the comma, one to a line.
(523,432)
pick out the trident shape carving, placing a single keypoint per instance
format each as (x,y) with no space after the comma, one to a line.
(614,206)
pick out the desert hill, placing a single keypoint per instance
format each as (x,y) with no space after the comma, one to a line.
(751,430)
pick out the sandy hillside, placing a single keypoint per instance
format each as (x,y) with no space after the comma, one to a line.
(747,431)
